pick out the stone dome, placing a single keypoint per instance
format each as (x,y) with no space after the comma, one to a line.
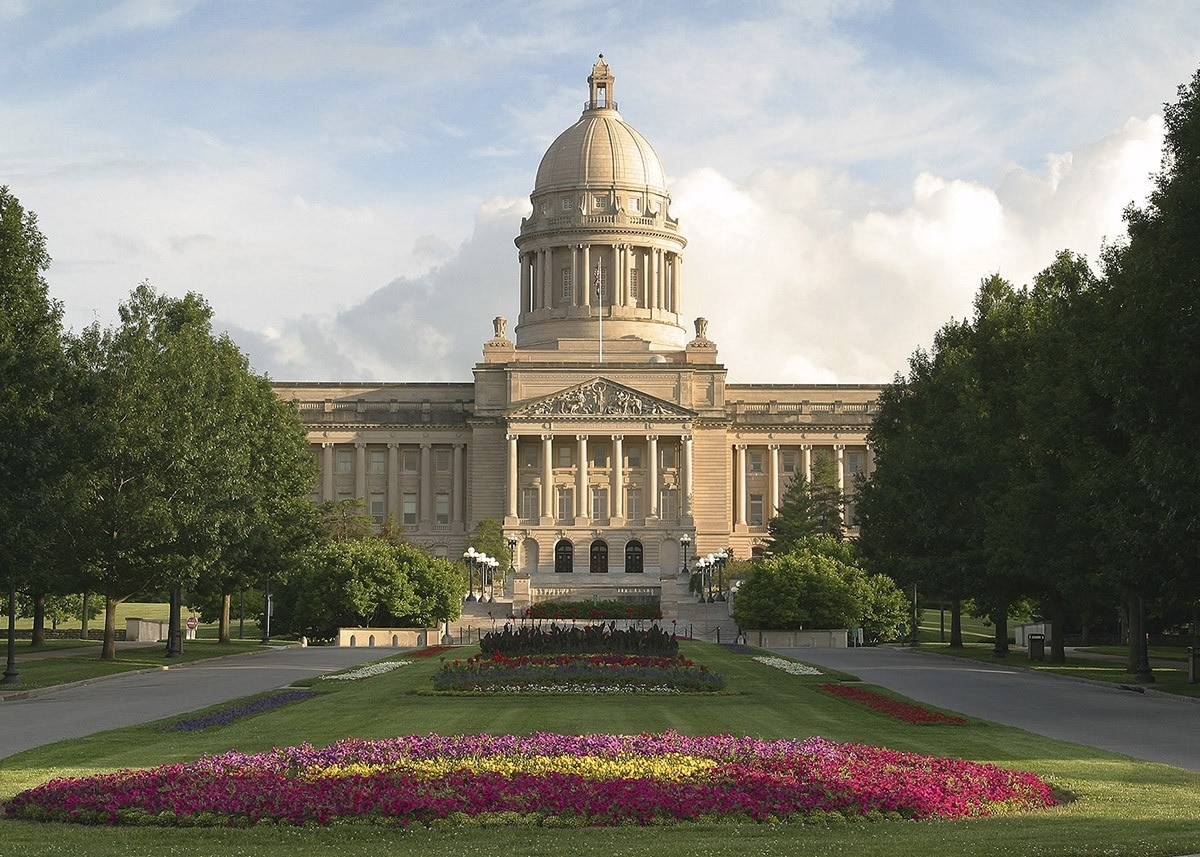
(601,149)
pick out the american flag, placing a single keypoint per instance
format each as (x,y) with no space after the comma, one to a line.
(597,276)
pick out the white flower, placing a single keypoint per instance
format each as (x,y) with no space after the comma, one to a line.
(367,671)
(787,666)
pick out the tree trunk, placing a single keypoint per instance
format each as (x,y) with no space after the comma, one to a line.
(1085,636)
(38,636)
(108,651)
(83,619)
(1000,620)
(1133,621)
(223,625)
(956,641)
(1058,622)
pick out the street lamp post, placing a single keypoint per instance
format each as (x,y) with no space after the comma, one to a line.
(685,542)
(512,554)
(471,557)
(1143,674)
(723,556)
(704,569)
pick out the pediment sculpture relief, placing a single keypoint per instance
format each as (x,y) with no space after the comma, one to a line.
(599,398)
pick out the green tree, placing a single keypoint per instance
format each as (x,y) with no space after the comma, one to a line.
(808,508)
(368,582)
(168,485)
(819,585)
(34,446)
(1149,368)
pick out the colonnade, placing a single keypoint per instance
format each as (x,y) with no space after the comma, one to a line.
(656,271)
(617,473)
(420,481)
(774,474)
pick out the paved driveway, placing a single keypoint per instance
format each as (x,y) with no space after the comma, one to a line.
(125,700)
(1152,726)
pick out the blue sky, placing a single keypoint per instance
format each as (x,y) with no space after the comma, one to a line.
(343,181)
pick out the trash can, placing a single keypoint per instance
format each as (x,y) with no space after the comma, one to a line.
(1193,665)
(1037,647)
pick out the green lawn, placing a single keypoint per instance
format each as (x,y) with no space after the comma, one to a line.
(1123,807)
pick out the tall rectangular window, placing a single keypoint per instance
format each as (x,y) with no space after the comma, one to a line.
(345,461)
(410,460)
(566,503)
(668,456)
(566,455)
(409,504)
(633,504)
(441,508)
(378,508)
(668,505)
(633,456)
(441,460)
(756,510)
(854,463)
(599,455)
(787,462)
(529,504)
(754,461)
(529,456)
(599,504)
(378,465)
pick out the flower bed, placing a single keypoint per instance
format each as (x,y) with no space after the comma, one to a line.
(366,671)
(787,666)
(905,711)
(227,714)
(593,610)
(576,673)
(541,779)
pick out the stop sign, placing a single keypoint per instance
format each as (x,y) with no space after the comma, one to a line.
(192,623)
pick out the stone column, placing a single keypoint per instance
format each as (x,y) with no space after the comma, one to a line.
(869,462)
(773,479)
(740,482)
(575,273)
(426,519)
(512,475)
(686,499)
(652,475)
(584,296)
(806,452)
(460,485)
(655,275)
(581,483)
(360,473)
(839,452)
(618,473)
(393,469)
(327,472)
(547,476)
(526,290)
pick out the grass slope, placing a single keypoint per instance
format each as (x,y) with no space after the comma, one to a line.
(1123,807)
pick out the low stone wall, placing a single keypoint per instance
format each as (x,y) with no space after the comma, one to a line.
(836,638)
(387,638)
(146,630)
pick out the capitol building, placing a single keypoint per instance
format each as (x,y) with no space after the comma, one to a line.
(599,429)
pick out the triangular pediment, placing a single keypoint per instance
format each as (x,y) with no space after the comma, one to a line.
(601,398)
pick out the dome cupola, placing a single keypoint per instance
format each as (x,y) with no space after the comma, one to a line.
(600,246)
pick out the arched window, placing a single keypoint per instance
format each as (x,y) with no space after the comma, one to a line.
(599,558)
(564,557)
(633,557)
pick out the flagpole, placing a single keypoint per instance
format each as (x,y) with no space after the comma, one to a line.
(599,278)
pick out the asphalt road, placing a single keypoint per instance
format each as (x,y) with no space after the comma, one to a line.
(124,700)
(1153,726)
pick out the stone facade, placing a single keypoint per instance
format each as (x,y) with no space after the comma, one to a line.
(604,431)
